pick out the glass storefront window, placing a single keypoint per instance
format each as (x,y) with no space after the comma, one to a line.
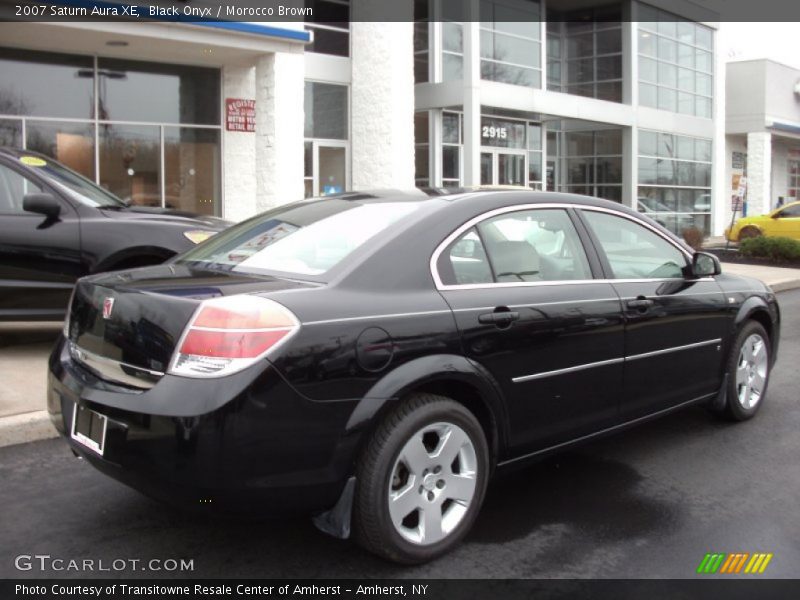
(502,133)
(585,52)
(421,41)
(11,133)
(129,156)
(308,169)
(510,42)
(452,139)
(68,142)
(675,63)
(44,84)
(325,111)
(326,129)
(330,26)
(422,172)
(675,180)
(184,94)
(130,163)
(585,161)
(793,175)
(192,178)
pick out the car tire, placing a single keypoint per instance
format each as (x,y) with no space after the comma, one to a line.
(748,371)
(433,504)
(749,232)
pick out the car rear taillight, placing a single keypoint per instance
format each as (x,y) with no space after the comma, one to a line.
(231,333)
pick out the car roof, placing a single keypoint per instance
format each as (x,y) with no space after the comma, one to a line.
(504,195)
(17,152)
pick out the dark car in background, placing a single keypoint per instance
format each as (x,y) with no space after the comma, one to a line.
(57,226)
(374,358)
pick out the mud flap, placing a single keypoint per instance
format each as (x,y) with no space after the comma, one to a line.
(720,400)
(336,521)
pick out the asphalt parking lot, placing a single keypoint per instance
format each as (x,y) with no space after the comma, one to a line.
(649,502)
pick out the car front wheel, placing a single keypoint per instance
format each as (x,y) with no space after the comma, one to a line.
(421,480)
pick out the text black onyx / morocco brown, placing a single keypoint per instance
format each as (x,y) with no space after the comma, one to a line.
(373,358)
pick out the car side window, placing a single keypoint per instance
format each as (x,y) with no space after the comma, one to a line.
(13,187)
(466,261)
(521,246)
(534,245)
(633,250)
(789,212)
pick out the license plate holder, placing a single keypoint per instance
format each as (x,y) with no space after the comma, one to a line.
(89,428)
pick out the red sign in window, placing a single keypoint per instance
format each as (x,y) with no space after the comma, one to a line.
(240,114)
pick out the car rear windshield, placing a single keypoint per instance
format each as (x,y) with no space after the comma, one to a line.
(305,239)
(73,184)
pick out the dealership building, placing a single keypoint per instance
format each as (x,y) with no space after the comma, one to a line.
(762,133)
(624,101)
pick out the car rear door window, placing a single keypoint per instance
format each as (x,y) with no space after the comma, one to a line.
(467,261)
(634,251)
(520,246)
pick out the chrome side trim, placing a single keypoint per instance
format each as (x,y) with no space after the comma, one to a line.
(114,370)
(613,361)
(562,205)
(674,349)
(389,316)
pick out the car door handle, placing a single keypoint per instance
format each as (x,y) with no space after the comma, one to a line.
(640,303)
(499,318)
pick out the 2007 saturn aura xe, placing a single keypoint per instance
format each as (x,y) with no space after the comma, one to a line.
(373,358)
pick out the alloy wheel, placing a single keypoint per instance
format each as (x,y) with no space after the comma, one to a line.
(433,483)
(751,371)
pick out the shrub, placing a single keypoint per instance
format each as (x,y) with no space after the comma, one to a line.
(779,249)
(694,237)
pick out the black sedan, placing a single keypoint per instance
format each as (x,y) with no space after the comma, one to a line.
(374,358)
(57,226)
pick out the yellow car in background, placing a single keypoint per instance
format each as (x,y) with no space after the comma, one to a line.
(783,222)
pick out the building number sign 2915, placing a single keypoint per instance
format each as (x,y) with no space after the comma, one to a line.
(499,133)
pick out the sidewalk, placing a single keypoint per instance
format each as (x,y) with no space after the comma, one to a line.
(779,279)
(24,348)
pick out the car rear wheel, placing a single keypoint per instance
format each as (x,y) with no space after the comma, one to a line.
(421,480)
(748,372)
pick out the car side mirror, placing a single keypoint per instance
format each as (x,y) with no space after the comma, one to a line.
(705,265)
(42,203)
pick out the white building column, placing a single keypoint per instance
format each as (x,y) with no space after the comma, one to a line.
(381,101)
(759,172)
(238,149)
(472,101)
(279,129)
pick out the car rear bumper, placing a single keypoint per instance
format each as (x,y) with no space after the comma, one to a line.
(265,448)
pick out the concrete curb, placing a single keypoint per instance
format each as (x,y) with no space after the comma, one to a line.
(26,427)
(786,284)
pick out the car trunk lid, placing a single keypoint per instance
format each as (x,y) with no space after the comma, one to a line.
(134,319)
